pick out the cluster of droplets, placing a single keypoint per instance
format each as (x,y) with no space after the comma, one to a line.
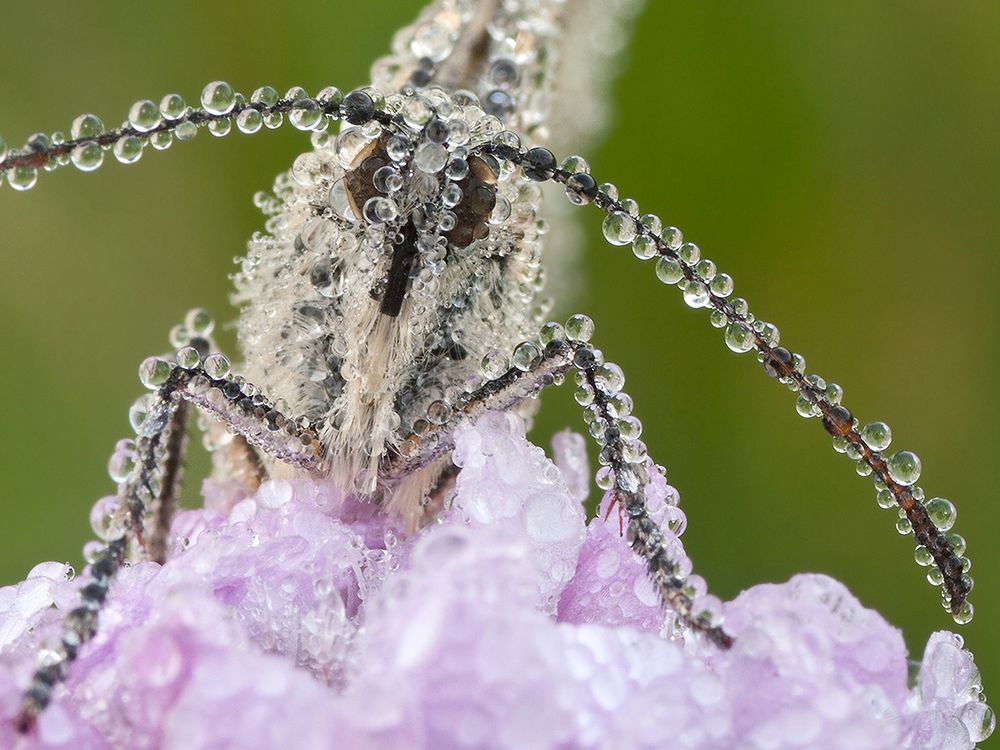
(159,125)
(680,263)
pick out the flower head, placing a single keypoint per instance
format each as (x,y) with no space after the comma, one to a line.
(300,617)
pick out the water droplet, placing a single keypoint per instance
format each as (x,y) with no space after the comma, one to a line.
(249,121)
(106,518)
(721,285)
(705,270)
(380,209)
(220,128)
(494,364)
(527,356)
(330,95)
(876,435)
(885,499)
(739,337)
(161,140)
(575,164)
(188,357)
(438,412)
(86,127)
(139,410)
(430,157)
(120,465)
(154,372)
(957,543)
(22,177)
(144,115)
(964,615)
(216,366)
(173,107)
(668,270)
(644,247)
(265,96)
(432,39)
(942,513)
(218,98)
(186,131)
(579,328)
(551,332)
(696,294)
(904,467)
(128,149)
(979,719)
(923,556)
(87,156)
(618,228)
(349,144)
(306,114)
(689,252)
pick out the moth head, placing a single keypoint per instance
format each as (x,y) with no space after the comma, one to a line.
(421,187)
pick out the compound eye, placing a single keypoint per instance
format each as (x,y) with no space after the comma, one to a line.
(360,180)
(479,197)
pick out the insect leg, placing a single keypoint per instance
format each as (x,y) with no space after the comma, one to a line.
(149,470)
(623,456)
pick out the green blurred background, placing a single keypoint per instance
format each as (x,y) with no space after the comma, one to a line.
(841,161)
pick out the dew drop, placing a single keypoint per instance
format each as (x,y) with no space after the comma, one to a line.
(668,270)
(173,107)
(494,364)
(265,96)
(188,357)
(218,98)
(876,435)
(904,467)
(430,157)
(739,338)
(22,177)
(579,328)
(964,615)
(154,372)
(217,366)
(87,156)
(306,114)
(942,513)
(186,131)
(527,356)
(689,252)
(86,127)
(128,149)
(199,322)
(249,121)
(696,294)
(144,115)
(619,228)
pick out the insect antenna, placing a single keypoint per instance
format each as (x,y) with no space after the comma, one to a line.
(160,125)
(679,263)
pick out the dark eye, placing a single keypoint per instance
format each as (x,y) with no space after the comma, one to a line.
(479,196)
(361,180)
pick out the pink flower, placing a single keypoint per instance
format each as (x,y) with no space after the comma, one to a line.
(301,618)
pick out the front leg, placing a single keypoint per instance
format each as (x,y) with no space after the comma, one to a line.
(624,463)
(136,520)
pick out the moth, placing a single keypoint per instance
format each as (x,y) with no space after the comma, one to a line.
(398,290)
